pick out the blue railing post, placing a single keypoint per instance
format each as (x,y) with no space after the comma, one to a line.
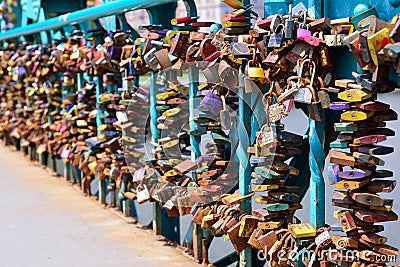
(317,163)
(67,166)
(245,114)
(197,236)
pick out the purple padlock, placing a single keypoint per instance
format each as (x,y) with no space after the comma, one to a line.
(212,103)
(353,174)
(339,106)
(376,150)
(115,52)
(21,70)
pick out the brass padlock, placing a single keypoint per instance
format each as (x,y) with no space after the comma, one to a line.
(255,71)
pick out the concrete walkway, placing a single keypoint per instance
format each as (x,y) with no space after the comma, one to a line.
(46,222)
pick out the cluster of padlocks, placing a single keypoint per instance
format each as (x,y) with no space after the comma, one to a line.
(53,103)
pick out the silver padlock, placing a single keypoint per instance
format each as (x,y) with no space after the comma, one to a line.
(303,95)
(225,116)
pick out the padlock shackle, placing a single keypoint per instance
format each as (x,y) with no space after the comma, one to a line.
(312,69)
(266,105)
(303,13)
(276,28)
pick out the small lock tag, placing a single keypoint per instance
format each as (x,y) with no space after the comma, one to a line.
(323,239)
(277,112)
(161,78)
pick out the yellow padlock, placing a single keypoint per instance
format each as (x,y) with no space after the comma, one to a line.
(354,95)
(166,95)
(255,72)
(248,224)
(264,187)
(271,225)
(303,230)
(227,23)
(351,185)
(376,42)
(355,115)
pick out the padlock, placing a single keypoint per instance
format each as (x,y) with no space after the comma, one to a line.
(225,117)
(212,103)
(289,25)
(304,230)
(364,48)
(347,221)
(323,239)
(315,110)
(276,38)
(292,88)
(302,30)
(254,71)
(354,95)
(248,225)
(377,42)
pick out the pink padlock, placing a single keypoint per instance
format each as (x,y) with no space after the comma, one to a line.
(303,31)
(312,40)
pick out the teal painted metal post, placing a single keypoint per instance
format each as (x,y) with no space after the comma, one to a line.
(99,90)
(315,8)
(162,224)
(317,154)
(193,103)
(317,163)
(157,221)
(67,165)
(126,203)
(245,114)
(195,142)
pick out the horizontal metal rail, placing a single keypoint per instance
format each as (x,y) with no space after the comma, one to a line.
(88,14)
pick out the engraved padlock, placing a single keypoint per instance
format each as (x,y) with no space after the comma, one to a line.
(304,94)
(276,38)
(255,71)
